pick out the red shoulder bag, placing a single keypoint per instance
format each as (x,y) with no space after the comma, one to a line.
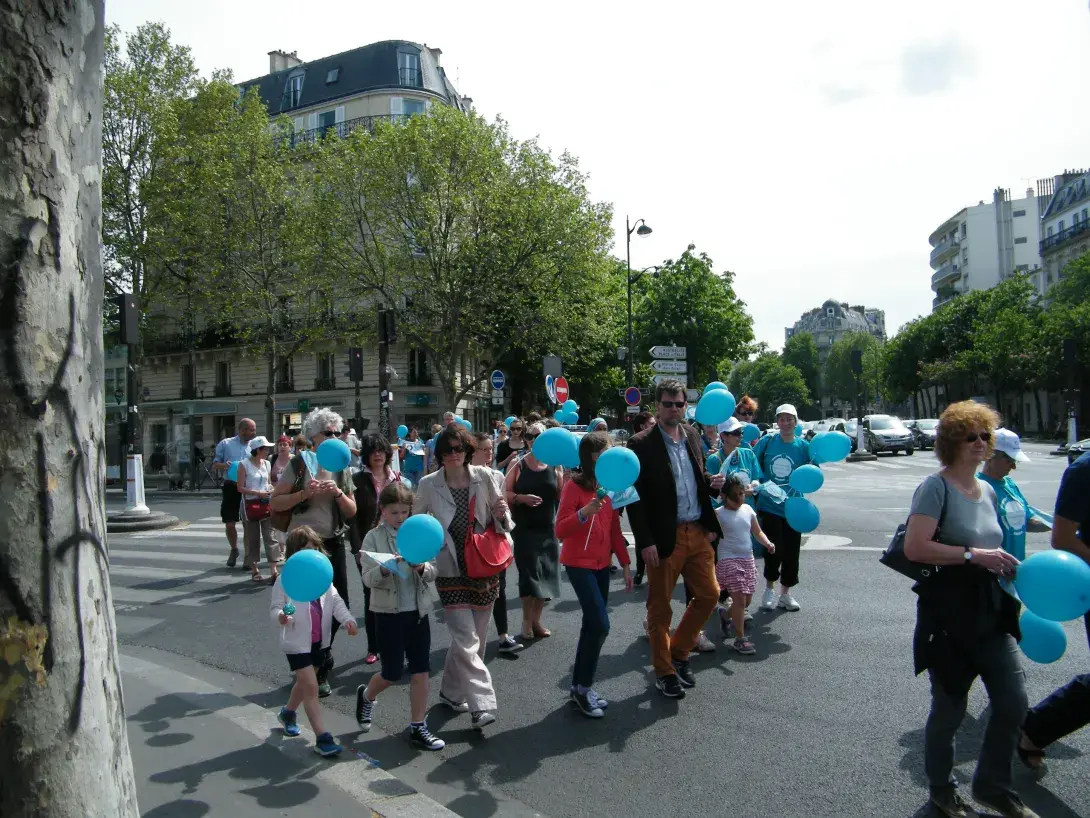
(487,554)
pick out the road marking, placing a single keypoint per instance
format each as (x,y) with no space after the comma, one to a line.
(150,574)
(132,596)
(167,556)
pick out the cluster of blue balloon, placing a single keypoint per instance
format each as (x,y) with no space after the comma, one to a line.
(825,447)
(1055,587)
(568,414)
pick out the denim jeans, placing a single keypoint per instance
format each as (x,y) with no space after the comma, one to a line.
(592,589)
(1063,712)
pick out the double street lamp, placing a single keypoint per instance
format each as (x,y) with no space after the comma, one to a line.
(640,228)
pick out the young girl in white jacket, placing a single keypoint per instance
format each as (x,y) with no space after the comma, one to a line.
(305,637)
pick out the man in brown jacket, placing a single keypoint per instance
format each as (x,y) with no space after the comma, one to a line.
(675,530)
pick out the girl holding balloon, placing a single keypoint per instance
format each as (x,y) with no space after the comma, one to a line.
(306,632)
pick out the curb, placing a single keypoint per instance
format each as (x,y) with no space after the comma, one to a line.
(123,522)
(379,793)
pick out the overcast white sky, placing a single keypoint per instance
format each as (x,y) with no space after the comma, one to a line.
(809,147)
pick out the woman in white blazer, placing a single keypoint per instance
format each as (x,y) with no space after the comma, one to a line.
(467,602)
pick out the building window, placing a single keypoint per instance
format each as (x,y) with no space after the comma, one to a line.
(1018,213)
(326,120)
(463,369)
(283,375)
(1060,226)
(408,69)
(223,378)
(1085,213)
(418,368)
(293,90)
(830,310)
(1049,232)
(1020,240)
(411,106)
(333,75)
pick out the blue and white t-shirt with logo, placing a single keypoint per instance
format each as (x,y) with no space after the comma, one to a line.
(778,460)
(1014,512)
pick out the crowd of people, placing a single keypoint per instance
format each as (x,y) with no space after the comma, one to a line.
(709,503)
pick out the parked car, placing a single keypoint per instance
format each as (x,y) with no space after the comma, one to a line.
(805,429)
(923,432)
(886,433)
(1076,450)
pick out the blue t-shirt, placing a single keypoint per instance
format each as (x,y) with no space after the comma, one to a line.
(777,460)
(1073,499)
(1014,511)
(741,459)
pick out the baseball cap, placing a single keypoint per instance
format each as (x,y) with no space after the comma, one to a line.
(260,441)
(731,424)
(786,409)
(1009,443)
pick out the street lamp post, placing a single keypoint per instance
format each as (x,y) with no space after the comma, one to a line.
(641,229)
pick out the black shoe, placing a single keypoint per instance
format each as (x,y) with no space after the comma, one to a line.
(670,687)
(232,558)
(423,737)
(1006,804)
(589,710)
(685,673)
(949,802)
(638,579)
(365,709)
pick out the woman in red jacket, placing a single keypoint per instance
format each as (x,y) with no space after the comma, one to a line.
(589,529)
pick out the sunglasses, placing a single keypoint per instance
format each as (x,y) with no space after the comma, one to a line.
(330,433)
(456,450)
(972,438)
(673,404)
(736,433)
(516,429)
(745,413)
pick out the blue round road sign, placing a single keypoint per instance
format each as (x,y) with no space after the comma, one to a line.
(498,379)
(632,396)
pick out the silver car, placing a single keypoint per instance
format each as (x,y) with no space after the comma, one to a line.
(886,433)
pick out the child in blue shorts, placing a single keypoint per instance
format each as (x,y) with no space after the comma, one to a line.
(402,594)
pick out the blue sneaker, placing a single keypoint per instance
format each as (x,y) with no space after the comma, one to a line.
(326,746)
(290,721)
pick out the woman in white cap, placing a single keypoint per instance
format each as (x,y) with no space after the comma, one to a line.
(778,456)
(1016,515)
(255,486)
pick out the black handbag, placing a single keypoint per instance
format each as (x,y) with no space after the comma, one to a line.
(894,556)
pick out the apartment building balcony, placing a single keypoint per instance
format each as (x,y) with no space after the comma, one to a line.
(944,248)
(1058,240)
(188,393)
(222,390)
(943,297)
(342,129)
(324,384)
(947,274)
(285,386)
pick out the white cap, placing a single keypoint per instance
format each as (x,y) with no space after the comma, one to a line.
(731,424)
(259,441)
(1008,442)
(786,409)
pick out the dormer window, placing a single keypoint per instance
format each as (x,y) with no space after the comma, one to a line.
(830,310)
(293,90)
(333,75)
(408,69)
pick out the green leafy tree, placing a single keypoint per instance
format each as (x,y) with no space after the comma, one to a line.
(801,352)
(771,382)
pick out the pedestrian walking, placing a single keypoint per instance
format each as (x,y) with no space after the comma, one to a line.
(533,493)
(510,450)
(746,412)
(401,599)
(778,456)
(1016,515)
(590,529)
(412,457)
(430,462)
(675,527)
(966,625)
(323,501)
(306,636)
(735,569)
(1068,708)
(255,486)
(233,450)
(280,458)
(483,456)
(463,498)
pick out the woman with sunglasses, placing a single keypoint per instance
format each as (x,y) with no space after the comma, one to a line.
(533,492)
(510,450)
(746,412)
(966,626)
(467,602)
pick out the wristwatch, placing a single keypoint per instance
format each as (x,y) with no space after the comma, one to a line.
(968,553)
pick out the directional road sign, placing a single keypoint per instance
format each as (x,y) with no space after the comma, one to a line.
(677,353)
(692,395)
(632,396)
(679,378)
(498,379)
(550,387)
(561,386)
(670,366)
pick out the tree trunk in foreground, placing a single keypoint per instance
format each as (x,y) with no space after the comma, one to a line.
(63,745)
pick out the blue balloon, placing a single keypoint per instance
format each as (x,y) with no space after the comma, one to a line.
(830,447)
(464,424)
(570,406)
(1054,585)
(1043,640)
(570,418)
(715,407)
(232,470)
(750,433)
(509,420)
(806,479)
(617,468)
(402,431)
(558,415)
(420,539)
(799,432)
(306,575)
(334,455)
(716,386)
(557,447)
(802,515)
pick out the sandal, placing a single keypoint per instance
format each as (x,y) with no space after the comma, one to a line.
(371,658)
(527,634)
(256,577)
(541,632)
(744,646)
(1033,758)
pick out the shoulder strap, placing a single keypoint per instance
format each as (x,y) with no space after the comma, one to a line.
(762,448)
(942,510)
(299,471)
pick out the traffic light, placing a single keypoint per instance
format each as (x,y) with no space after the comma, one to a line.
(355,364)
(128,318)
(387,327)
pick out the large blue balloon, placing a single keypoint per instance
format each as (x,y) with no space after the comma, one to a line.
(509,420)
(715,407)
(570,406)
(1043,640)
(716,386)
(464,423)
(750,433)
(1054,585)
(571,418)
(802,515)
(334,455)
(557,415)
(617,468)
(402,431)
(306,575)
(806,479)
(420,538)
(232,471)
(557,447)
(829,447)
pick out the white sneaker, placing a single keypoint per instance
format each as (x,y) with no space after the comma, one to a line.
(703,643)
(748,617)
(788,603)
(768,601)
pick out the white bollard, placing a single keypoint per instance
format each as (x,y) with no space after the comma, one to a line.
(134,485)
(1072,430)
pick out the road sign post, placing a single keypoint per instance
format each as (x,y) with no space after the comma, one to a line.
(684,381)
(498,379)
(675,353)
(633,396)
(671,365)
(561,387)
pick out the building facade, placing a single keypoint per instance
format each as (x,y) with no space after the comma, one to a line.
(1065,223)
(980,246)
(194,399)
(834,319)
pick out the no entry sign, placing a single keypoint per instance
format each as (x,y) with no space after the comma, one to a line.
(561,387)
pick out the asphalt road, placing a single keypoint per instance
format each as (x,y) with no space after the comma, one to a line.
(826,719)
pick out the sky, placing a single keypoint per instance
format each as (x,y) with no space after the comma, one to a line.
(810,148)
